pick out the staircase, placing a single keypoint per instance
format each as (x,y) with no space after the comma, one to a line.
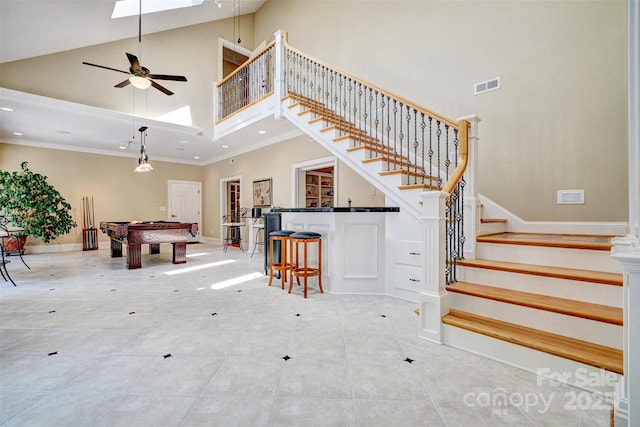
(540,302)
(558,295)
(549,303)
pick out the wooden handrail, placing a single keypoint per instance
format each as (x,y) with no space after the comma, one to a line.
(246,64)
(463,155)
(428,112)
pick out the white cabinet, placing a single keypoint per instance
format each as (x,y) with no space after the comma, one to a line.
(408,267)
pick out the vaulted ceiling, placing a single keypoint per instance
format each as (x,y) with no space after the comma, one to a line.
(34,28)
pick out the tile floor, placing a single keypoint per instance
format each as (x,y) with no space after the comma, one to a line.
(85,342)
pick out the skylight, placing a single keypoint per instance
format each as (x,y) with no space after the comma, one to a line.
(124,8)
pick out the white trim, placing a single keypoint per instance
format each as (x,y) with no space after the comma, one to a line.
(223,198)
(322,162)
(490,209)
(231,46)
(634,117)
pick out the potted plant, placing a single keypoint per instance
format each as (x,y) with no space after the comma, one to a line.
(28,201)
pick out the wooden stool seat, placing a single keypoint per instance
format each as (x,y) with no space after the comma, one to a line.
(306,270)
(285,264)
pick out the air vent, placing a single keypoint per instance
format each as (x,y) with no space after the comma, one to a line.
(570,197)
(486,86)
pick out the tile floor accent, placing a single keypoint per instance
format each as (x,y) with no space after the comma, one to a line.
(86,342)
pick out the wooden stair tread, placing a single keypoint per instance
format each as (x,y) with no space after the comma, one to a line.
(586,310)
(409,173)
(573,241)
(426,187)
(585,352)
(492,220)
(605,278)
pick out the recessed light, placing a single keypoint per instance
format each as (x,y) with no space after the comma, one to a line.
(225,146)
(63,132)
(9,109)
(17,133)
(196,157)
(123,147)
(262,132)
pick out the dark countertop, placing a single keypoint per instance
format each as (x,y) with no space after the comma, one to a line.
(339,209)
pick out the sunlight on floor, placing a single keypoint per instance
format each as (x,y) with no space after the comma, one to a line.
(199,267)
(237,280)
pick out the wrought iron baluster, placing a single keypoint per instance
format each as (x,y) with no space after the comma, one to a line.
(377,122)
(439,147)
(423,126)
(415,146)
(395,131)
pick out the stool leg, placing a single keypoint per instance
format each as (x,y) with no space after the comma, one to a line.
(294,263)
(270,261)
(283,262)
(306,276)
(320,265)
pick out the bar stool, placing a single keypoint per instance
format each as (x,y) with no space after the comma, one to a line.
(284,265)
(305,238)
(259,232)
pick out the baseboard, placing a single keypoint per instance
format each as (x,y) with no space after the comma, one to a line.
(490,209)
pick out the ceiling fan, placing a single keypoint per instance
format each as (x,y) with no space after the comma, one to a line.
(141,77)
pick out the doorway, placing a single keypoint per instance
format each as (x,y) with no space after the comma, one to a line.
(231,56)
(185,204)
(322,177)
(230,200)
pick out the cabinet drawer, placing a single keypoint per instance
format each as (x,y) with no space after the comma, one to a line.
(408,278)
(409,252)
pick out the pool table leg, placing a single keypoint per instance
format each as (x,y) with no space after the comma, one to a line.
(179,252)
(116,248)
(134,256)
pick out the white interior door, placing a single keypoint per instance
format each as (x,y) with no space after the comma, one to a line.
(185,204)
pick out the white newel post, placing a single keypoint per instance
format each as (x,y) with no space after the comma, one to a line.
(433,296)
(627,249)
(627,396)
(279,84)
(471,203)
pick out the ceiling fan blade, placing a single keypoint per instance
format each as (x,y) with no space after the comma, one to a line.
(135,65)
(106,68)
(123,83)
(167,77)
(161,88)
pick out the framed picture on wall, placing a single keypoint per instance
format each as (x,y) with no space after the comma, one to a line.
(262,193)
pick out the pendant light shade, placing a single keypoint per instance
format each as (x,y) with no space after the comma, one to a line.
(143,161)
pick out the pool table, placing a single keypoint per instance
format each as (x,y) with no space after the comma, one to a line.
(135,234)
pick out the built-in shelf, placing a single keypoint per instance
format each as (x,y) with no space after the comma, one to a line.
(319,190)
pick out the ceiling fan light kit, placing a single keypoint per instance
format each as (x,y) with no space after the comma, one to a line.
(140,82)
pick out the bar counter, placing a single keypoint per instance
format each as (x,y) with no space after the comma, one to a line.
(353,244)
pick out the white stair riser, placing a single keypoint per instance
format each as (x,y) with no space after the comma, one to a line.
(569,326)
(492,227)
(530,360)
(582,259)
(561,288)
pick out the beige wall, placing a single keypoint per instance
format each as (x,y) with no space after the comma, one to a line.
(275,162)
(558,122)
(119,194)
